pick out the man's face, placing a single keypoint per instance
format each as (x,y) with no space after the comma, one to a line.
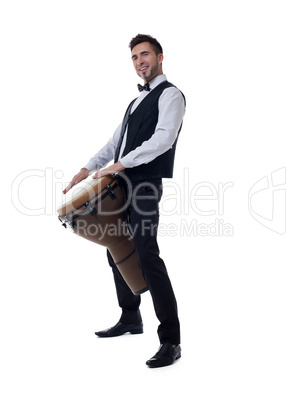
(146,63)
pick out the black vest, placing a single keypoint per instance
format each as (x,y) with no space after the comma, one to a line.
(141,126)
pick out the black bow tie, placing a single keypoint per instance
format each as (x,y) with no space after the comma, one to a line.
(145,87)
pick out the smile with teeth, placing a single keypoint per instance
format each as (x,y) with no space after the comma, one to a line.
(143,68)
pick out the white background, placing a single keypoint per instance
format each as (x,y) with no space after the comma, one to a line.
(66,79)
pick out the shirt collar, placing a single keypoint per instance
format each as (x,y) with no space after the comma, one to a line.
(157,80)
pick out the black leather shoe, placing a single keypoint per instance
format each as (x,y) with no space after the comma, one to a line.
(121,329)
(165,356)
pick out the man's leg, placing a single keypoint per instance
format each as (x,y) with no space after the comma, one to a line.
(130,320)
(144,219)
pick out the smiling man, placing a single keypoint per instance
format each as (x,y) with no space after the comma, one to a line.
(143,149)
(147,61)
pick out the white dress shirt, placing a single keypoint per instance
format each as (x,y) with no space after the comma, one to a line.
(171,113)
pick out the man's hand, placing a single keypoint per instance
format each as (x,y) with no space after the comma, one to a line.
(115,168)
(83,174)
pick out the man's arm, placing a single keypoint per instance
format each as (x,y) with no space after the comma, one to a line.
(112,169)
(171,113)
(105,155)
(83,174)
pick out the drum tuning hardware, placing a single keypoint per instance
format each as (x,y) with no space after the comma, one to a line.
(63,223)
(66,223)
(87,206)
(93,211)
(90,208)
(110,192)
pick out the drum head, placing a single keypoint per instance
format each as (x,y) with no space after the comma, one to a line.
(82,192)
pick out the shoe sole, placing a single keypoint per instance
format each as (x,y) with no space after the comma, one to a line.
(136,332)
(152,365)
(132,332)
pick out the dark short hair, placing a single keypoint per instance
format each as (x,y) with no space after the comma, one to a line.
(146,38)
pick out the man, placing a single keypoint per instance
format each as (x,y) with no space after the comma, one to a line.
(143,148)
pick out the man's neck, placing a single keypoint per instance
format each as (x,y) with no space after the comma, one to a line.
(157,75)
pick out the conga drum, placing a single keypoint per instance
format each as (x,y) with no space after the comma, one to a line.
(97,213)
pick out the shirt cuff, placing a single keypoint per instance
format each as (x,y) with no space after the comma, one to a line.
(125,162)
(91,166)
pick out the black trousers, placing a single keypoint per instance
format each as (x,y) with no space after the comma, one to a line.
(143,220)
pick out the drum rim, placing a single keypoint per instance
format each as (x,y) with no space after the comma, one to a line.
(63,210)
(81,192)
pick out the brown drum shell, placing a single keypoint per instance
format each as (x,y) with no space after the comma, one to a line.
(106,226)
